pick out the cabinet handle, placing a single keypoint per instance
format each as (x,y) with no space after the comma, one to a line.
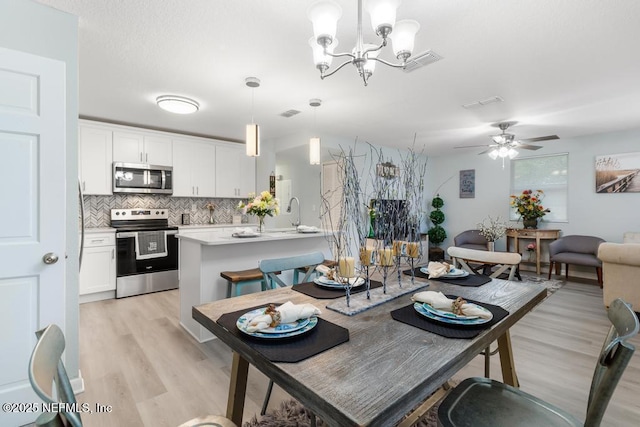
(141,156)
(97,240)
(193,190)
(197,190)
(146,158)
(113,253)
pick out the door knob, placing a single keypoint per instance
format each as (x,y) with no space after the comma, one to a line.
(50,258)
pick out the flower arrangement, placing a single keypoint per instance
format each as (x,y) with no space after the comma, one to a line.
(261,205)
(210,206)
(529,204)
(494,230)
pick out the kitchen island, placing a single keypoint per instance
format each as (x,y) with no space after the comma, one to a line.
(203,255)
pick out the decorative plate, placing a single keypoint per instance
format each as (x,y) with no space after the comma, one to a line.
(323,281)
(454,273)
(284,330)
(420,308)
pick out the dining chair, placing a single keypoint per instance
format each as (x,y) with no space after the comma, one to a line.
(484,402)
(503,260)
(46,369)
(577,250)
(471,239)
(270,269)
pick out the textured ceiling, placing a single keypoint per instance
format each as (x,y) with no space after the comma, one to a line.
(565,67)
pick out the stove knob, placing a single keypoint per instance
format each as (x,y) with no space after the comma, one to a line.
(124,213)
(117,213)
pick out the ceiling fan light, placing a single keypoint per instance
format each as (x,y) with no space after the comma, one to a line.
(493,154)
(324,15)
(512,153)
(403,38)
(177,104)
(503,151)
(383,15)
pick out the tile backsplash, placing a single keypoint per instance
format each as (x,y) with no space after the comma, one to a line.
(98,208)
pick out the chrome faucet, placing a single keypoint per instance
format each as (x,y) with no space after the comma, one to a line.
(297,223)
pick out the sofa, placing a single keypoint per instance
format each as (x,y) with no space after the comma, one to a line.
(621,272)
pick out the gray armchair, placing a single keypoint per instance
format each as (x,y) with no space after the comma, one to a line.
(471,239)
(577,250)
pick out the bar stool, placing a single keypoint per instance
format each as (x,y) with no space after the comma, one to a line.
(327,262)
(241,278)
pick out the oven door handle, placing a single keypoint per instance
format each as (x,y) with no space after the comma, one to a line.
(125,235)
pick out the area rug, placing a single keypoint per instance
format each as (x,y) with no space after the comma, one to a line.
(552,285)
(292,414)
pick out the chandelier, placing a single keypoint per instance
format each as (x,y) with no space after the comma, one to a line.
(324,15)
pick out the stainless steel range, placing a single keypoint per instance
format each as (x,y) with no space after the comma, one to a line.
(146,251)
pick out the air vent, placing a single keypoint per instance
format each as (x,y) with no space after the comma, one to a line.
(290,113)
(421,60)
(482,103)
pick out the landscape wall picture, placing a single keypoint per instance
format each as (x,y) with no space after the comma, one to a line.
(618,173)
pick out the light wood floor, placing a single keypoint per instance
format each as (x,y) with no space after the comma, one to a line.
(135,357)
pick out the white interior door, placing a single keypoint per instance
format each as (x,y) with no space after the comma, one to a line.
(32,206)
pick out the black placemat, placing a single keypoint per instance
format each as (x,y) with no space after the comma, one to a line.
(472,280)
(410,316)
(320,292)
(324,336)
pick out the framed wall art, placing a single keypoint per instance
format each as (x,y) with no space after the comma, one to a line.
(468,184)
(618,173)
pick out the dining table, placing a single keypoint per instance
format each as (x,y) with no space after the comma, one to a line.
(384,368)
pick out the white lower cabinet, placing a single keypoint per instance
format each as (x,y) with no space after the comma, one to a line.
(98,271)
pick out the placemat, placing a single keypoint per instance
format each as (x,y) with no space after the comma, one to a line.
(472,280)
(324,336)
(411,317)
(319,292)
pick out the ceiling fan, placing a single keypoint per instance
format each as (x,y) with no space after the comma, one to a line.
(504,144)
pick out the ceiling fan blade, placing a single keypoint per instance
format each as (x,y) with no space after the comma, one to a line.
(472,146)
(528,147)
(485,151)
(540,138)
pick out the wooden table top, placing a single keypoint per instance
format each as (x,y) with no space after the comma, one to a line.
(387,367)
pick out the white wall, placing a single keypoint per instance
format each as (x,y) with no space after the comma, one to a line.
(30,27)
(604,215)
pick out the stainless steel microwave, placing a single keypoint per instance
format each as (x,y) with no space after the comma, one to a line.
(142,178)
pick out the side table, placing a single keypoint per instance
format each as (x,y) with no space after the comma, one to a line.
(536,234)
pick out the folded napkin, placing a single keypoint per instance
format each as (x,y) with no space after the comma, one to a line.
(286,313)
(438,269)
(439,301)
(244,230)
(323,269)
(307,228)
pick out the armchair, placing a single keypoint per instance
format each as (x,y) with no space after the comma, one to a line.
(471,239)
(578,250)
(620,269)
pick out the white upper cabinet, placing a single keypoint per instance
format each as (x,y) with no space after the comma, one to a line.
(95,156)
(235,172)
(138,147)
(194,165)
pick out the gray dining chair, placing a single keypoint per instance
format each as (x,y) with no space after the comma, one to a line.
(46,369)
(503,260)
(471,239)
(270,269)
(577,250)
(482,402)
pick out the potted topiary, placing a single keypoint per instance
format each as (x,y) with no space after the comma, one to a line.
(437,234)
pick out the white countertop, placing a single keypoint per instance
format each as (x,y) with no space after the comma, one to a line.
(224,237)
(92,230)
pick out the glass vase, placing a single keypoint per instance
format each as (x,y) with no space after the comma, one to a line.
(260,224)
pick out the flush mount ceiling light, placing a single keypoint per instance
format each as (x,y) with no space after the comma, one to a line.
(177,104)
(324,15)
(253,130)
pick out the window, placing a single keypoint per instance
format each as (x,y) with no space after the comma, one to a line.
(546,173)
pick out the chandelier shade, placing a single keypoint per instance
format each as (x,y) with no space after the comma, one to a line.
(324,15)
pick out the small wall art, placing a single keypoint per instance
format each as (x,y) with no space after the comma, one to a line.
(618,173)
(468,184)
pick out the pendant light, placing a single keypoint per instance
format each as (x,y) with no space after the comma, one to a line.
(253,130)
(314,142)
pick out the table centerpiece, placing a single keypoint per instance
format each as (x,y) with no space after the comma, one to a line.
(260,205)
